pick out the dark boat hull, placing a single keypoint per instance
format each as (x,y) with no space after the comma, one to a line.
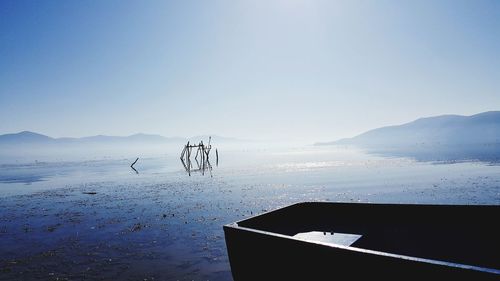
(398,242)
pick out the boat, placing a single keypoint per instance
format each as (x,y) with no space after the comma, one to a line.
(354,241)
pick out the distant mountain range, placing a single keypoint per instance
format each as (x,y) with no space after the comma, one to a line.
(27,137)
(482,128)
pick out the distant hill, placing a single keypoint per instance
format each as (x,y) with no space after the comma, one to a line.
(146,138)
(482,128)
(25,137)
(31,138)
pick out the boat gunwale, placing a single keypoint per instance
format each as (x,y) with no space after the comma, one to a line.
(235,225)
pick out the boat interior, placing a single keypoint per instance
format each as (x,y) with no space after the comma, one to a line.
(466,235)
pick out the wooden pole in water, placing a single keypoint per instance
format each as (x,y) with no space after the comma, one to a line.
(182,153)
(197,151)
(202,157)
(207,151)
(203,151)
(132,166)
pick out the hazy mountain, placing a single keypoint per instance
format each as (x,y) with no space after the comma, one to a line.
(25,137)
(32,138)
(146,138)
(482,128)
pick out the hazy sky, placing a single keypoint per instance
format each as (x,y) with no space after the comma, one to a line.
(304,70)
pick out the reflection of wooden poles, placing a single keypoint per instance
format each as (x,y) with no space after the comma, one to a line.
(184,150)
(197,152)
(187,167)
(200,167)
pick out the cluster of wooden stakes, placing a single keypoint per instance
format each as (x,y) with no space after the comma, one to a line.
(203,153)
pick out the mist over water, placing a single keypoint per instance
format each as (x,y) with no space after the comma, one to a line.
(330,167)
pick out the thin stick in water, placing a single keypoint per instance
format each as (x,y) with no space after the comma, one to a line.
(132,166)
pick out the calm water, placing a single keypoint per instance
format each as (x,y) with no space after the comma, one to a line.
(98,219)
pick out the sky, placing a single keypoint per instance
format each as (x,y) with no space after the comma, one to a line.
(268,70)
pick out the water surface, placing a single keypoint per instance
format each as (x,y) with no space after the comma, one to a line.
(98,219)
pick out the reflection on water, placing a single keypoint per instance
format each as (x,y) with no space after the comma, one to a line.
(21,178)
(344,239)
(201,166)
(489,153)
(28,173)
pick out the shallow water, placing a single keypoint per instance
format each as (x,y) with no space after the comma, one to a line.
(98,219)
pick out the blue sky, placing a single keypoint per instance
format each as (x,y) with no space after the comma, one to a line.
(289,69)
